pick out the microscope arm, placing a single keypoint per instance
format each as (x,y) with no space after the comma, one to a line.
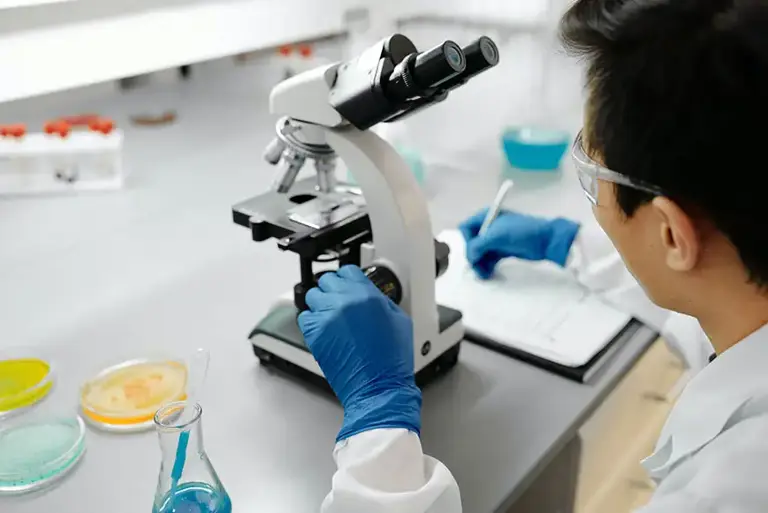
(304,97)
(400,220)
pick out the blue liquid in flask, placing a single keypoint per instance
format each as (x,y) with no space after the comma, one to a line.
(195,498)
(187,482)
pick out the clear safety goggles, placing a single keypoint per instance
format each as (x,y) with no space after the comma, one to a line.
(590,172)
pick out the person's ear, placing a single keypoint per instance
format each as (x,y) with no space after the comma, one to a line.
(680,239)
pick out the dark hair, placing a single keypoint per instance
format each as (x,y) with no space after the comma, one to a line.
(678,98)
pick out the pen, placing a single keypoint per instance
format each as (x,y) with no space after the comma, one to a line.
(493,212)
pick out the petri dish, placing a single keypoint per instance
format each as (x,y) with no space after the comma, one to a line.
(125,397)
(37,454)
(23,383)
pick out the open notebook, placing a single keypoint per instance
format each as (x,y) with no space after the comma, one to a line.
(533,308)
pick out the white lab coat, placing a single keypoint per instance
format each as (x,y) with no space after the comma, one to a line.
(712,455)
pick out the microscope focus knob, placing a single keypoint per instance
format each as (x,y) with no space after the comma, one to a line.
(386,281)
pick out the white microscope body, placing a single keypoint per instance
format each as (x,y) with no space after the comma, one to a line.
(327,113)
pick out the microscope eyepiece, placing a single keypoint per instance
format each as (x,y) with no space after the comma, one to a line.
(435,66)
(480,55)
(392,79)
(419,73)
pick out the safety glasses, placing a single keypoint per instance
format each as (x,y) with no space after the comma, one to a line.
(590,172)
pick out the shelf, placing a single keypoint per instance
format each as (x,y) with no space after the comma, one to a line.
(13,4)
(74,43)
(58,57)
(499,15)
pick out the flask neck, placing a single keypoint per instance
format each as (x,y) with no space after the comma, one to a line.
(172,441)
(187,479)
(179,428)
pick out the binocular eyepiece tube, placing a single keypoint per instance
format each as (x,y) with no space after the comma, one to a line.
(445,66)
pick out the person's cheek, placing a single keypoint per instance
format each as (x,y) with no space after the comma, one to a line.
(606,218)
(599,214)
(615,225)
(606,210)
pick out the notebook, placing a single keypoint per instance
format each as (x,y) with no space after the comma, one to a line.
(535,311)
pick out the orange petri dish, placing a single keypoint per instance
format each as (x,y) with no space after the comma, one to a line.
(125,397)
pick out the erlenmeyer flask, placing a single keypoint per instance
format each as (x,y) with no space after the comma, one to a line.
(188,482)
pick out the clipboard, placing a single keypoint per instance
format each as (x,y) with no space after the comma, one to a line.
(536,312)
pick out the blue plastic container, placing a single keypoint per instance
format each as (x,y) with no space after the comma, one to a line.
(535,149)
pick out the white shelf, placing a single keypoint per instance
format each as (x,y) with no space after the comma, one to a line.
(58,57)
(518,14)
(12,4)
(74,43)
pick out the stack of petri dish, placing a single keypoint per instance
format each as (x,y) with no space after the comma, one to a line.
(37,454)
(125,397)
(24,382)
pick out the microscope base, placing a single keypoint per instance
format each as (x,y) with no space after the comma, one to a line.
(278,343)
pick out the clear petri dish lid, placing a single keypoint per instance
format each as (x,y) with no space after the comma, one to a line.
(25,380)
(125,397)
(37,454)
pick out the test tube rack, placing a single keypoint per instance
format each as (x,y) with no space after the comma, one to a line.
(60,159)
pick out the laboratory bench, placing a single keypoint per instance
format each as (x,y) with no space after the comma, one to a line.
(160,269)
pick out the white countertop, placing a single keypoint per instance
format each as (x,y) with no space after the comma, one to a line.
(161,268)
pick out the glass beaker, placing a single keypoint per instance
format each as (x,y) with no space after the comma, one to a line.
(188,482)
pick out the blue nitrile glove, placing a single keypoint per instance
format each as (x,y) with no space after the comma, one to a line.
(516,235)
(363,342)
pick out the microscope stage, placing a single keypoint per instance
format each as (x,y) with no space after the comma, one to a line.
(300,214)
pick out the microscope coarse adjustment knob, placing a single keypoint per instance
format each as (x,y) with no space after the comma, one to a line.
(442,257)
(384,278)
(386,281)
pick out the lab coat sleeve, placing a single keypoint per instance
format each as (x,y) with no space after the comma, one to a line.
(599,267)
(385,471)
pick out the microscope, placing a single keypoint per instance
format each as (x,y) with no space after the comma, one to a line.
(382,225)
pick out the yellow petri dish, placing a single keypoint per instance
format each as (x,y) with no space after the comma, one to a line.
(23,382)
(126,396)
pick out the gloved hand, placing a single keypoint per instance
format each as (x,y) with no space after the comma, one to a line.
(363,342)
(516,235)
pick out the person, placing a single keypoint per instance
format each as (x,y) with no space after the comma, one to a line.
(672,158)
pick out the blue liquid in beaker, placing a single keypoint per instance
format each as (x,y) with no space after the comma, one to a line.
(196,498)
(535,149)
